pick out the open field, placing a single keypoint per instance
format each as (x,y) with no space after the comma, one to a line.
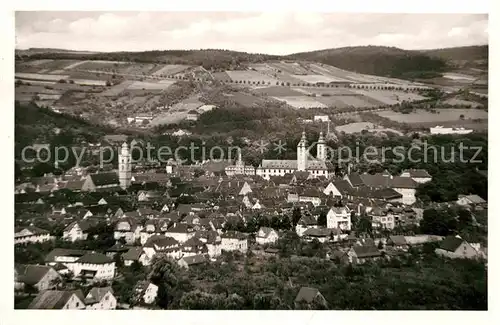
(301,101)
(459,76)
(289,68)
(277,91)
(170,69)
(441,115)
(117,89)
(457,101)
(168,118)
(354,127)
(389,97)
(88,82)
(163,84)
(38,76)
(348,101)
(315,78)
(251,76)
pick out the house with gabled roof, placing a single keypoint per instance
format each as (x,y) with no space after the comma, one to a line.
(129,229)
(135,254)
(162,244)
(76,230)
(101,181)
(180,232)
(234,241)
(470,200)
(94,266)
(456,247)
(41,277)
(339,217)
(193,260)
(359,254)
(144,292)
(266,235)
(30,234)
(305,222)
(324,234)
(58,299)
(418,175)
(100,299)
(309,297)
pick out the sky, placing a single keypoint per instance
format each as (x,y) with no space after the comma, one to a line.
(264,32)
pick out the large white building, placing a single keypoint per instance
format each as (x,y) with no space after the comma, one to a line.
(239,168)
(316,166)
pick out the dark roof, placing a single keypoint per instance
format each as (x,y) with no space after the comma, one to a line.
(95,258)
(386,194)
(160,241)
(195,259)
(64,252)
(366,251)
(95,295)
(52,299)
(398,240)
(307,294)
(31,274)
(234,234)
(307,220)
(133,254)
(418,173)
(355,179)
(403,182)
(321,232)
(451,243)
(34,230)
(102,179)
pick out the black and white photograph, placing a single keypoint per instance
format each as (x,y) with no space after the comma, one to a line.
(233,160)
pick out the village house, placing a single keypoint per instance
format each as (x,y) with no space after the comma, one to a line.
(359,254)
(190,261)
(101,181)
(94,266)
(305,222)
(56,299)
(128,229)
(420,176)
(266,235)
(234,241)
(212,241)
(398,242)
(339,217)
(456,247)
(381,219)
(310,297)
(39,276)
(162,244)
(30,234)
(324,234)
(180,232)
(100,299)
(136,254)
(77,230)
(470,200)
(144,292)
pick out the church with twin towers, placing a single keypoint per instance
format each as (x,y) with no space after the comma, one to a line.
(315,166)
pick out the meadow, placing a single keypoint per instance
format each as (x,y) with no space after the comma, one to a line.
(441,115)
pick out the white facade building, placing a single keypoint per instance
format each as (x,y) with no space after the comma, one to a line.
(339,217)
(125,167)
(316,167)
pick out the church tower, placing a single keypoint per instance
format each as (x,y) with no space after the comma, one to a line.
(321,152)
(302,153)
(124,166)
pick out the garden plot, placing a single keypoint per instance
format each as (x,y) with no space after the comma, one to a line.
(160,85)
(249,76)
(171,69)
(354,101)
(187,104)
(301,101)
(168,118)
(441,115)
(43,77)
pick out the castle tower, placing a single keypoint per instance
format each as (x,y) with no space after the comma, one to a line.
(124,166)
(302,153)
(321,154)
